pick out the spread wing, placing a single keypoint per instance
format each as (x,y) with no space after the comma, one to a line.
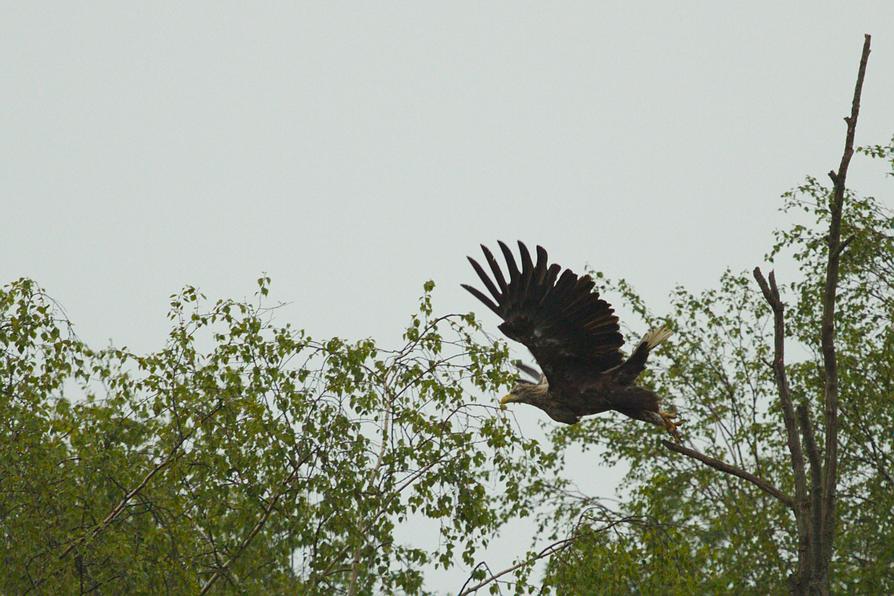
(573,334)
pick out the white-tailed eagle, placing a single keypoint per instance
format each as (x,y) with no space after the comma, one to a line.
(574,336)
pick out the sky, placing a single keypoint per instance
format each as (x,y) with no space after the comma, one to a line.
(354,150)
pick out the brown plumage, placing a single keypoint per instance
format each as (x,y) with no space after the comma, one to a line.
(574,336)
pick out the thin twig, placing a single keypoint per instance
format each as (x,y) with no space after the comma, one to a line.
(482,564)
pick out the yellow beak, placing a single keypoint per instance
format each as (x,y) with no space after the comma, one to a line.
(505,400)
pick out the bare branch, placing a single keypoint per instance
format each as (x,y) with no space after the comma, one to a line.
(830,363)
(771,293)
(802,514)
(735,471)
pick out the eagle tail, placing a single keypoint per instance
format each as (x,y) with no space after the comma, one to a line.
(633,366)
(655,337)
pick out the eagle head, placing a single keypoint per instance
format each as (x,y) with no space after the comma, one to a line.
(525,392)
(537,394)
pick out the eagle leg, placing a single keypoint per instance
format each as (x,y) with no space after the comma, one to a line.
(671,424)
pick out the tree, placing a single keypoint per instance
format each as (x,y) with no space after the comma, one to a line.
(246,457)
(757,502)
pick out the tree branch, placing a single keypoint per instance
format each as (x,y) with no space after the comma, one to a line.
(802,510)
(830,364)
(729,469)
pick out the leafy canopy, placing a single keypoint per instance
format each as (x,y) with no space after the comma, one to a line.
(247,454)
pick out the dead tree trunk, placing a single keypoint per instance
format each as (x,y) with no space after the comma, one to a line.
(813,504)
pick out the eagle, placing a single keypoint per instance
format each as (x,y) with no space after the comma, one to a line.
(574,336)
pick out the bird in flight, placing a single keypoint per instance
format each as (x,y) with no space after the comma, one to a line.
(575,338)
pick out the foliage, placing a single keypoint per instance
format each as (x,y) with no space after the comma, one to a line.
(634,559)
(245,453)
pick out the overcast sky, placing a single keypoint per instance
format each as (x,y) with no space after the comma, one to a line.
(354,150)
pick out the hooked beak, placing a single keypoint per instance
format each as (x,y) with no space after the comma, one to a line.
(506,399)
